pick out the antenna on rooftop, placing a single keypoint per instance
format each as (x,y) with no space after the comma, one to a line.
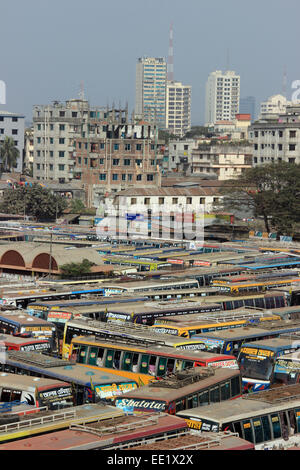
(170,67)
(284,82)
(81,93)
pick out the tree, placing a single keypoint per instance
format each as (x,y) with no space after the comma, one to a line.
(35,201)
(70,270)
(9,154)
(77,206)
(270,191)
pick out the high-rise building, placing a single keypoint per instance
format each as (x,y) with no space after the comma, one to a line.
(248,106)
(150,94)
(222,97)
(178,108)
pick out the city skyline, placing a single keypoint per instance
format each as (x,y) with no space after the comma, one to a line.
(57,46)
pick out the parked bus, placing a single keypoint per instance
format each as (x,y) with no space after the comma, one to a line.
(287,369)
(257,360)
(17,343)
(141,265)
(146,312)
(35,391)
(145,286)
(87,386)
(86,327)
(129,358)
(23,300)
(255,286)
(24,324)
(191,325)
(270,418)
(187,389)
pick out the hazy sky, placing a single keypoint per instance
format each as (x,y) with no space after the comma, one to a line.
(48,47)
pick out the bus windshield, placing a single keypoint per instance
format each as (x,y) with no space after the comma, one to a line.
(256,363)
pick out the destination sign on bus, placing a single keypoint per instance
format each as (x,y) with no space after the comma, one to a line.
(149,405)
(257,352)
(111,391)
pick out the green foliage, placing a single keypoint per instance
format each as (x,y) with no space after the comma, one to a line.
(198,131)
(71,270)
(9,154)
(35,201)
(271,191)
(77,206)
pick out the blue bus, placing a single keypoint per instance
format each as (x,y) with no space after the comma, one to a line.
(257,360)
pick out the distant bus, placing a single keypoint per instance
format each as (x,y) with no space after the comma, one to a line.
(189,389)
(35,391)
(22,323)
(269,418)
(87,386)
(191,325)
(144,286)
(146,312)
(257,360)
(254,286)
(130,359)
(17,343)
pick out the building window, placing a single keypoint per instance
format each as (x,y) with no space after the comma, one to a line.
(139,177)
(123,177)
(102,177)
(116,146)
(115,176)
(127,162)
(14,131)
(61,140)
(133,201)
(61,127)
(202,200)
(292,134)
(127,147)
(189,200)
(138,146)
(61,167)
(61,154)
(129,176)
(292,147)
(115,161)
(147,201)
(161,200)
(150,178)
(62,113)
(101,161)
(175,200)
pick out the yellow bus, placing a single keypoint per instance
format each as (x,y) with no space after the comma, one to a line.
(141,265)
(195,324)
(130,359)
(256,286)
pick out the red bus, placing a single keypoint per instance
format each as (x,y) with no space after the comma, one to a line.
(19,343)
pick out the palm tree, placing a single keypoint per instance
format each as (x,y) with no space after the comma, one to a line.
(9,154)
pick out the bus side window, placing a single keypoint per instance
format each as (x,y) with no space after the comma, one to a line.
(195,401)
(266,428)
(144,363)
(187,364)
(258,431)
(178,365)
(236,386)
(170,365)
(100,357)
(248,431)
(237,427)
(109,358)
(179,405)
(204,398)
(117,359)
(275,426)
(92,357)
(81,354)
(135,361)
(225,391)
(161,366)
(214,395)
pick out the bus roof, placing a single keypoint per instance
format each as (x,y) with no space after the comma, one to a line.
(273,344)
(27,382)
(60,369)
(154,307)
(23,319)
(145,284)
(19,340)
(247,406)
(183,383)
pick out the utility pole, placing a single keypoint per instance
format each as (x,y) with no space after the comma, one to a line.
(50,257)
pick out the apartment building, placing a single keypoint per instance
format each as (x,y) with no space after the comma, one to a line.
(150,93)
(277,138)
(180,152)
(222,97)
(221,161)
(178,108)
(13,125)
